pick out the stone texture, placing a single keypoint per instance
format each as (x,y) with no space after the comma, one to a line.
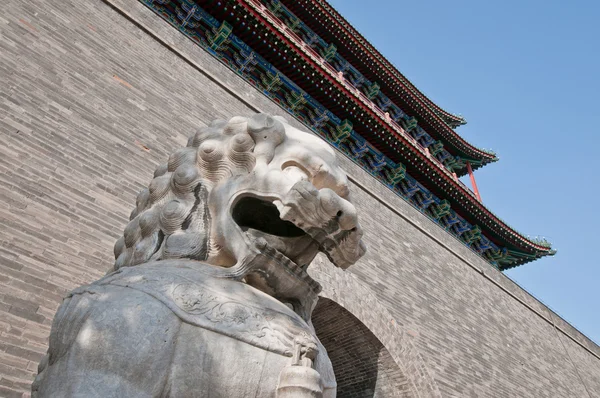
(90,103)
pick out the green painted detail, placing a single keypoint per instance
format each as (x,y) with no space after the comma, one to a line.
(270,80)
(455,163)
(293,24)
(518,255)
(409,124)
(329,52)
(276,8)
(441,210)
(295,100)
(436,148)
(220,37)
(341,132)
(505,258)
(474,163)
(394,176)
(472,235)
(499,255)
(373,90)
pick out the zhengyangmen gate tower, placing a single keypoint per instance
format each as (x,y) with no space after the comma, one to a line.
(97,93)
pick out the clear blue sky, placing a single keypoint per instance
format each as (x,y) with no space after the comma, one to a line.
(524,73)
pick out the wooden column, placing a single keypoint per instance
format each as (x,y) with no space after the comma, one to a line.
(473,183)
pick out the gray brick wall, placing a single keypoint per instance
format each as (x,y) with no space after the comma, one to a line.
(90,103)
(363,366)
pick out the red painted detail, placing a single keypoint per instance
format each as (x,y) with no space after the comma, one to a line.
(473,182)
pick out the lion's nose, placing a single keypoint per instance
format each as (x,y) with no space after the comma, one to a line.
(340,208)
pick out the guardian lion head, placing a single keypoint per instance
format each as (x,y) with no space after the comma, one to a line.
(240,187)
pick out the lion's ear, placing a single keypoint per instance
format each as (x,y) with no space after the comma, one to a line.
(267,132)
(263,126)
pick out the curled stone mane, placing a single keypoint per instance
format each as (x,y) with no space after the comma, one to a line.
(171,218)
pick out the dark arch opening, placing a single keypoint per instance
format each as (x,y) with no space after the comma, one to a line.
(363,367)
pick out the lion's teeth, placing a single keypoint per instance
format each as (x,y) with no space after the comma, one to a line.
(279,205)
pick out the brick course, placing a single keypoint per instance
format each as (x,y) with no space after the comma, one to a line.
(91,103)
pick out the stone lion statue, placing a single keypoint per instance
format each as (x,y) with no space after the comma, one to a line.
(209,294)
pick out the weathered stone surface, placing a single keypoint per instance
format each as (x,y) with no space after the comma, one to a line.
(90,103)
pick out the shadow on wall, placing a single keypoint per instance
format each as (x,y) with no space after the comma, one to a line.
(363,366)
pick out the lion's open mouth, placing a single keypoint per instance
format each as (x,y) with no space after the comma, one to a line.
(261,215)
(259,218)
